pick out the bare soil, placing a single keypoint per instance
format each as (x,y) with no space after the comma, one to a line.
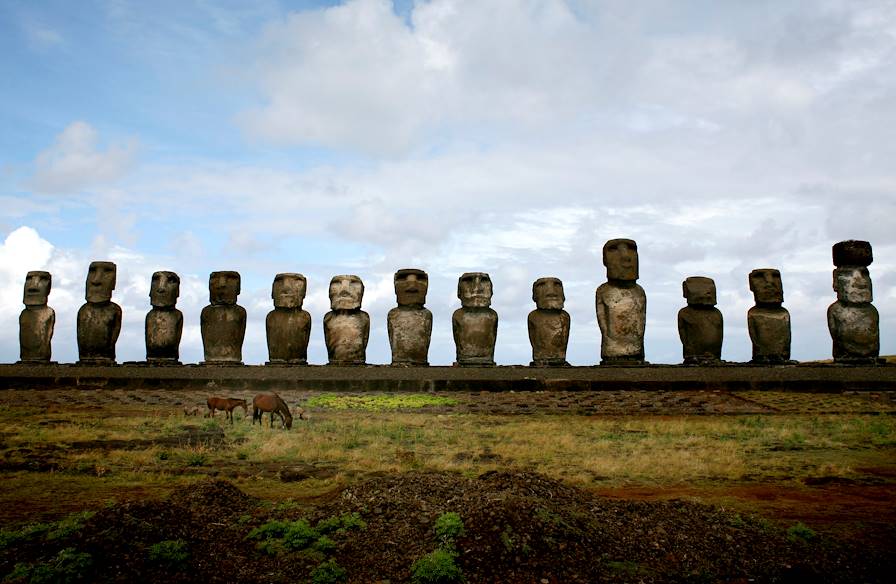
(519,527)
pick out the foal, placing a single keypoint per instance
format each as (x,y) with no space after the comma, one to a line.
(227,404)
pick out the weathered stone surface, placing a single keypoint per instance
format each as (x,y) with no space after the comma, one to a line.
(164,323)
(767,321)
(410,324)
(621,305)
(99,320)
(346,326)
(700,323)
(223,322)
(548,324)
(288,326)
(853,321)
(37,320)
(475,324)
(852,253)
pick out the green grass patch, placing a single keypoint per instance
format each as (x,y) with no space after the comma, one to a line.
(67,566)
(799,532)
(44,531)
(173,553)
(379,402)
(436,567)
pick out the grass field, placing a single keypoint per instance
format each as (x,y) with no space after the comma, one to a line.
(56,461)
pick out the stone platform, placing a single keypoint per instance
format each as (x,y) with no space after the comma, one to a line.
(808,377)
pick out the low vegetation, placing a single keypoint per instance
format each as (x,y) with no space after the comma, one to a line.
(76,459)
(439,566)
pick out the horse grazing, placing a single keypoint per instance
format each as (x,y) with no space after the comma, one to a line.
(226,404)
(273,403)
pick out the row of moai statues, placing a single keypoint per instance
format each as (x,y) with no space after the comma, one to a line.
(620,303)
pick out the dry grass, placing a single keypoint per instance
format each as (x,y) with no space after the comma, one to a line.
(344,445)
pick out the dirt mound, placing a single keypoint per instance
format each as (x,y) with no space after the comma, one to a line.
(523,527)
(217,497)
(518,527)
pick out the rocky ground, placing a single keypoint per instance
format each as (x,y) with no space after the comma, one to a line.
(517,527)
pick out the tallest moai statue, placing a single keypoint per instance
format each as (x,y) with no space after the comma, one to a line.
(853,320)
(621,306)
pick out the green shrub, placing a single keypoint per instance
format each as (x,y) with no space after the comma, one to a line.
(68,525)
(324,544)
(269,530)
(68,566)
(11,537)
(328,572)
(48,531)
(163,455)
(342,523)
(171,552)
(299,535)
(436,567)
(800,532)
(449,527)
(195,459)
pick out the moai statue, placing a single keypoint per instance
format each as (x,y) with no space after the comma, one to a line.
(548,324)
(700,322)
(346,326)
(621,306)
(853,320)
(410,324)
(99,320)
(475,325)
(288,326)
(37,320)
(223,322)
(164,323)
(768,322)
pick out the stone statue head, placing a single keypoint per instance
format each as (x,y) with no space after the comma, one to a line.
(100,281)
(765,283)
(853,285)
(475,290)
(288,290)
(699,291)
(164,290)
(548,294)
(346,292)
(621,259)
(37,288)
(223,287)
(411,286)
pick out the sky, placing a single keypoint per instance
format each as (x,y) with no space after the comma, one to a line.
(512,137)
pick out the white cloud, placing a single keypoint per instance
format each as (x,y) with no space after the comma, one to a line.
(73,162)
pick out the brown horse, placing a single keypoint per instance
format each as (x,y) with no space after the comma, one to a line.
(226,404)
(270,402)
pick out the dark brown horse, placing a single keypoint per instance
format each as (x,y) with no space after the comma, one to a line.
(226,404)
(270,402)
